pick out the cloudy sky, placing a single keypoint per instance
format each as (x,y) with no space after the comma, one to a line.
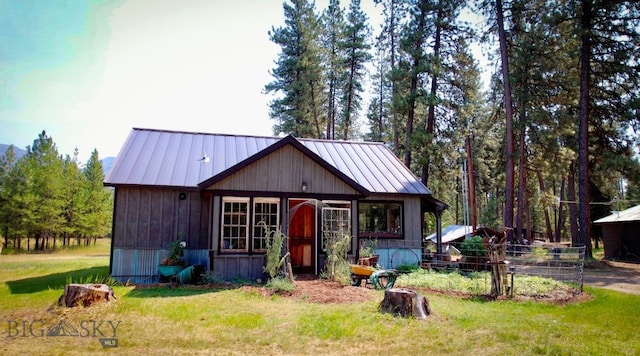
(89,71)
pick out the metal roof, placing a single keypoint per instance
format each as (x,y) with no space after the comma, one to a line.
(628,215)
(451,233)
(186,159)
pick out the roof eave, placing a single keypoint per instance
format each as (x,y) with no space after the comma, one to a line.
(288,140)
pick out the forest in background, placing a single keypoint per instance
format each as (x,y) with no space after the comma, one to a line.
(50,200)
(549,146)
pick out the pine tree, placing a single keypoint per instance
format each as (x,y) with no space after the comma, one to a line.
(47,187)
(74,198)
(96,220)
(298,74)
(333,35)
(356,49)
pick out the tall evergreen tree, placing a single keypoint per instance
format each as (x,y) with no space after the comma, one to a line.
(333,35)
(96,220)
(356,49)
(298,74)
(413,67)
(378,117)
(393,11)
(48,182)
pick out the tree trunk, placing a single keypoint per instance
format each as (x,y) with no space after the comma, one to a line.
(471,180)
(560,214)
(547,219)
(405,303)
(431,115)
(583,131)
(573,210)
(508,106)
(85,295)
(522,183)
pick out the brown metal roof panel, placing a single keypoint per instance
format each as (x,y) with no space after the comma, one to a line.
(398,176)
(369,159)
(179,168)
(159,147)
(354,166)
(191,155)
(135,164)
(409,177)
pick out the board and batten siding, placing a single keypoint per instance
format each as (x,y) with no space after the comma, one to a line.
(396,252)
(412,222)
(284,171)
(148,218)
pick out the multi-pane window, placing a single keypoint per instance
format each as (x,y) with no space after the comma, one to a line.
(265,218)
(336,223)
(235,228)
(380,220)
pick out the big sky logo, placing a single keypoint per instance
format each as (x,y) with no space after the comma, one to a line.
(105,330)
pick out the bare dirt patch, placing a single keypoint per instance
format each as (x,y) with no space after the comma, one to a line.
(614,275)
(322,291)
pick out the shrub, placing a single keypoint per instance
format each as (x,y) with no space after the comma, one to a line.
(280,284)
(473,247)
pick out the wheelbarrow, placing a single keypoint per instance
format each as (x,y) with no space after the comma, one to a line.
(378,278)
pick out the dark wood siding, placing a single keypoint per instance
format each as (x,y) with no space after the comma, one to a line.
(412,222)
(284,171)
(153,218)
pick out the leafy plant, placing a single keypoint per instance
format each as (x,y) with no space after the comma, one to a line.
(176,254)
(281,284)
(274,241)
(336,247)
(367,247)
(473,247)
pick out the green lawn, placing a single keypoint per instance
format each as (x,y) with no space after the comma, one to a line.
(234,321)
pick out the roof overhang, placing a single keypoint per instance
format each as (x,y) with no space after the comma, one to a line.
(288,140)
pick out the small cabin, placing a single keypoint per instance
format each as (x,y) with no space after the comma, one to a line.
(218,193)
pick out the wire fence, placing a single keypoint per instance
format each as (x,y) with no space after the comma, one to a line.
(558,262)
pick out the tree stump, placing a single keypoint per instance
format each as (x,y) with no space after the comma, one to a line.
(85,295)
(405,303)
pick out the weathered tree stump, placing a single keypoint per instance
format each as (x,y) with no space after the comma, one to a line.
(85,295)
(405,303)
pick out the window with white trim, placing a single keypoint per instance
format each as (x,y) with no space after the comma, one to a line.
(235,224)
(336,221)
(266,216)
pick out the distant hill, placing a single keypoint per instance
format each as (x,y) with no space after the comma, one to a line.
(106,162)
(17,150)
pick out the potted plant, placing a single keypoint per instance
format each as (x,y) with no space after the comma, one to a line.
(367,252)
(174,263)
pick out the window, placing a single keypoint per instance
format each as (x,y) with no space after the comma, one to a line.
(380,220)
(265,216)
(336,223)
(235,212)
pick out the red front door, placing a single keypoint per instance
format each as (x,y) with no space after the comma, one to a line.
(302,231)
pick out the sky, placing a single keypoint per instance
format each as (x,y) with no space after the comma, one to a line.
(87,72)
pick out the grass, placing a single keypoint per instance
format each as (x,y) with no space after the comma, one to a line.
(237,321)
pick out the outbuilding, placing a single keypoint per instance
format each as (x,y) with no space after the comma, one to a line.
(621,234)
(212,191)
